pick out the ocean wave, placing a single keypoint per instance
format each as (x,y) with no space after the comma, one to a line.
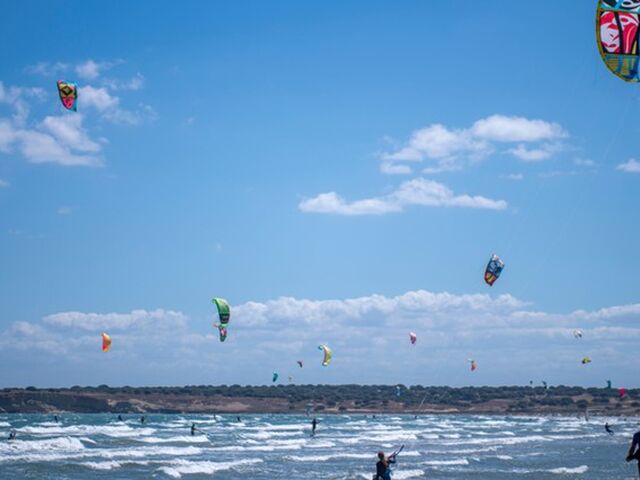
(569,471)
(182,467)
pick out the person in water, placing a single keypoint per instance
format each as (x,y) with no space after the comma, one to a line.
(383,471)
(120,418)
(634,450)
(55,418)
(238,418)
(142,419)
(607,427)
(12,435)
(314,423)
(193,429)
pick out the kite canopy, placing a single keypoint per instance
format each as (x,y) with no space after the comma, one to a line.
(68,92)
(398,390)
(493,270)
(327,355)
(586,360)
(577,333)
(412,338)
(299,362)
(275,376)
(622,392)
(224,313)
(617,37)
(106,342)
(472,363)
(608,383)
(544,384)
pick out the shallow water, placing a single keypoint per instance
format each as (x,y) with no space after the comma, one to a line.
(280,447)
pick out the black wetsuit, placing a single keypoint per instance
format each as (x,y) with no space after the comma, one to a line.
(193,429)
(634,450)
(120,418)
(382,469)
(608,429)
(313,426)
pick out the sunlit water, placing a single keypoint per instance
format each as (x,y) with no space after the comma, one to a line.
(280,447)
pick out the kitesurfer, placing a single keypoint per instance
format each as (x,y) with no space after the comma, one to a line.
(383,471)
(238,418)
(314,423)
(12,435)
(120,418)
(634,450)
(607,427)
(142,419)
(55,418)
(193,429)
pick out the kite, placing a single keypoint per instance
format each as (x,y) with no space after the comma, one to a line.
(68,94)
(274,379)
(577,333)
(544,384)
(617,37)
(290,379)
(398,390)
(622,392)
(106,342)
(412,338)
(224,313)
(493,270)
(299,362)
(586,360)
(327,355)
(472,364)
(609,384)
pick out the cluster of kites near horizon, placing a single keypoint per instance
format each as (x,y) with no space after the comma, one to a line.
(617,37)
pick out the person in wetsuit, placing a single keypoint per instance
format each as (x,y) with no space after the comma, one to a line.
(55,418)
(12,435)
(314,423)
(634,450)
(142,419)
(238,418)
(193,429)
(383,471)
(607,427)
(120,418)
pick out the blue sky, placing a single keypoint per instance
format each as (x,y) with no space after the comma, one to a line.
(340,172)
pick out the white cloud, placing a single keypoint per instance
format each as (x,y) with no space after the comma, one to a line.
(501,128)
(68,130)
(583,162)
(47,69)
(99,98)
(419,191)
(4,183)
(394,169)
(134,83)
(513,176)
(631,166)
(89,70)
(451,149)
(65,210)
(117,321)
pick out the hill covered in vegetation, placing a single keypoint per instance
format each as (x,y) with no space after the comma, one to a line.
(322,398)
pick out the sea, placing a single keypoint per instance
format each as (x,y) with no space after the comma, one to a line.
(272,446)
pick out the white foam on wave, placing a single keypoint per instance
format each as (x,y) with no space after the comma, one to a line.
(178,439)
(325,458)
(569,471)
(5,424)
(102,465)
(117,431)
(184,467)
(441,463)
(404,474)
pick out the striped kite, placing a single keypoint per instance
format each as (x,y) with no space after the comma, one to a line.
(493,270)
(68,92)
(617,37)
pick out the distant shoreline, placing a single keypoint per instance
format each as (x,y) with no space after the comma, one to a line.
(325,399)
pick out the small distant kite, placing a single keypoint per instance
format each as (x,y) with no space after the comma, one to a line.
(398,390)
(493,270)
(68,92)
(586,360)
(224,314)
(622,392)
(544,384)
(106,342)
(412,338)
(577,333)
(275,376)
(609,384)
(472,364)
(617,37)
(327,355)
(299,362)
